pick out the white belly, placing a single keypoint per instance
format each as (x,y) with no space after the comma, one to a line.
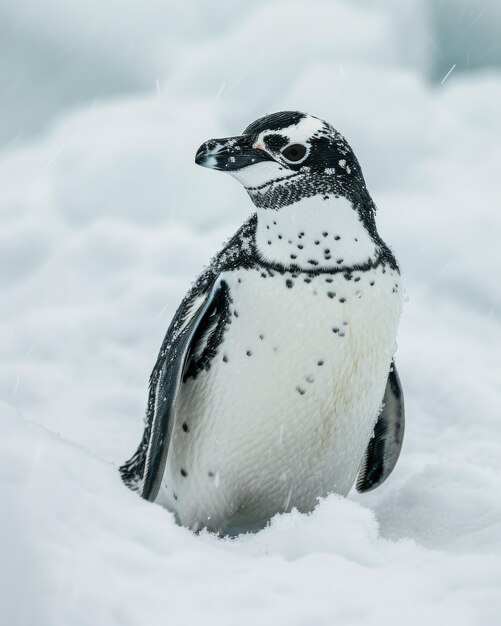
(285,412)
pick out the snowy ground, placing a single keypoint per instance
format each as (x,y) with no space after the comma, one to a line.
(105,220)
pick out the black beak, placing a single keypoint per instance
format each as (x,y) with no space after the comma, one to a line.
(230,154)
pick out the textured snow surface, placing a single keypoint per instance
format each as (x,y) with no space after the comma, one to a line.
(104,222)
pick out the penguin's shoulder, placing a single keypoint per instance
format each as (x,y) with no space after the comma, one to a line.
(239,252)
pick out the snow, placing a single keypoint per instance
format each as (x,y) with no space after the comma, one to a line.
(105,221)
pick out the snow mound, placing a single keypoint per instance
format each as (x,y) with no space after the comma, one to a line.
(80,560)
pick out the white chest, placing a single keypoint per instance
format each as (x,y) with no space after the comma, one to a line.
(285,412)
(315,232)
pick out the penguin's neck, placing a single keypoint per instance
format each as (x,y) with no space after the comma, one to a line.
(314,233)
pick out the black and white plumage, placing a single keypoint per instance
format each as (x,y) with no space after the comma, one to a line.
(275,384)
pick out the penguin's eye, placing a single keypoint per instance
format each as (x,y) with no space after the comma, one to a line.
(294,152)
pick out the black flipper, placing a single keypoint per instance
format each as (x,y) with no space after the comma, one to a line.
(190,326)
(185,351)
(385,445)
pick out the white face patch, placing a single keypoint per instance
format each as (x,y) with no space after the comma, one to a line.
(301,132)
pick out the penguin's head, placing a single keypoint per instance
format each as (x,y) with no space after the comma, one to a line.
(284,157)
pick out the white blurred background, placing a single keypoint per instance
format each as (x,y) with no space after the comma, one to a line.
(57,56)
(105,220)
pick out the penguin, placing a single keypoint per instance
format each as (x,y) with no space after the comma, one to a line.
(276,383)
